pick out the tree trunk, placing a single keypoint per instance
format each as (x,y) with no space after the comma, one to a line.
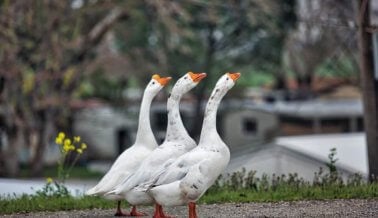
(45,131)
(11,161)
(369,87)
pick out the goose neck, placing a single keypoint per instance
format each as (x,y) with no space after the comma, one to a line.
(145,135)
(175,126)
(209,126)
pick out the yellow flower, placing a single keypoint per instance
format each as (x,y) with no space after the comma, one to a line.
(68,147)
(58,140)
(83,146)
(67,142)
(77,139)
(79,150)
(49,180)
(61,135)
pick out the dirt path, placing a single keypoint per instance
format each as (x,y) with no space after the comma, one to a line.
(329,208)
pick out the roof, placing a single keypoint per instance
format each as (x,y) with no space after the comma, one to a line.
(350,147)
(321,108)
(314,108)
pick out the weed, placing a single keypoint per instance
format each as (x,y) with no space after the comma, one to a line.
(73,148)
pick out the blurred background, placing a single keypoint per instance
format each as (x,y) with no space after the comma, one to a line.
(80,66)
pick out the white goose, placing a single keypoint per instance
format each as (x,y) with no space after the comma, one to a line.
(189,176)
(130,159)
(177,142)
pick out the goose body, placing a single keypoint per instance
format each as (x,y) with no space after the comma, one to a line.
(130,159)
(187,179)
(177,142)
(189,176)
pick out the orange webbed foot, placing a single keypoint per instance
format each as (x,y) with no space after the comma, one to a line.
(134,212)
(159,213)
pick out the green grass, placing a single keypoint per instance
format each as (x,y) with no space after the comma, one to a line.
(292,194)
(28,203)
(284,192)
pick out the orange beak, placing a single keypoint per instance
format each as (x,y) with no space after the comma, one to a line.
(234,76)
(197,77)
(164,80)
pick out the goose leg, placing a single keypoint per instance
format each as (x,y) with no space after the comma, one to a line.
(159,213)
(192,210)
(119,211)
(162,213)
(134,212)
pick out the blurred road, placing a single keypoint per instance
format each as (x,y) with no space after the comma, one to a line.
(321,208)
(17,187)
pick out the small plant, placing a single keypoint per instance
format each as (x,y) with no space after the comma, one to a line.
(332,161)
(70,149)
(53,189)
(333,177)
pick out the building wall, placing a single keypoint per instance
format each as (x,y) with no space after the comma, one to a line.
(100,127)
(248,127)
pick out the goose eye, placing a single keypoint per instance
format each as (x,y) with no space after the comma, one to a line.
(227,78)
(185,77)
(153,83)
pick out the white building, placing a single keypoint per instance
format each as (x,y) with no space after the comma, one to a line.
(108,131)
(304,155)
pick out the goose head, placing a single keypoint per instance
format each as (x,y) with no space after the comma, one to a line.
(227,81)
(187,82)
(157,83)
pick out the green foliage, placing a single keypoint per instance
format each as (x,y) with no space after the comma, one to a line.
(215,37)
(255,78)
(99,85)
(343,67)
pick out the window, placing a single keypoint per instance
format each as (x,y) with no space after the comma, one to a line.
(123,139)
(250,126)
(160,120)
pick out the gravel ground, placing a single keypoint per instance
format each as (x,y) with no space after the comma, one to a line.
(326,208)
